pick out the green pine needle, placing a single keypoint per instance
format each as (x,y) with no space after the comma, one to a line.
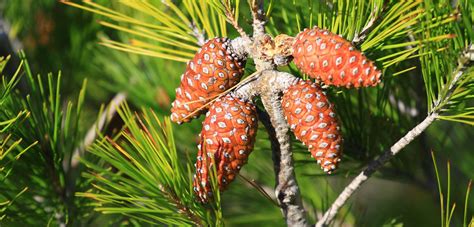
(145,154)
(166,30)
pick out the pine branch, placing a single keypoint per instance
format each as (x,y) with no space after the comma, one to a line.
(229,13)
(287,189)
(145,154)
(182,207)
(54,130)
(373,166)
(269,85)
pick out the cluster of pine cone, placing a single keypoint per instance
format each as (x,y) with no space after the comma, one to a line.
(229,129)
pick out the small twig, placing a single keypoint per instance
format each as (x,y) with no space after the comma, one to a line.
(263,190)
(106,116)
(180,206)
(360,37)
(395,149)
(259,19)
(458,73)
(229,13)
(372,167)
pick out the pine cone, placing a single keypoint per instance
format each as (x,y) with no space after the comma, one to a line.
(333,60)
(228,136)
(214,69)
(312,119)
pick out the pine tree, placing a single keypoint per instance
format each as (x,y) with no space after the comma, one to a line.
(57,170)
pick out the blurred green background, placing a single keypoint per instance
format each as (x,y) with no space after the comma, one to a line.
(56,37)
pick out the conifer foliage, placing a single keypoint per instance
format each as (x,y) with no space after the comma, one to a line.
(352,81)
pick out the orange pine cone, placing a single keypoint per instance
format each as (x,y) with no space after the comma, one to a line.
(333,60)
(213,70)
(228,136)
(312,119)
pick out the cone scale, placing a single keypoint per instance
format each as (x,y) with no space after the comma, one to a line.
(313,121)
(333,60)
(214,69)
(227,139)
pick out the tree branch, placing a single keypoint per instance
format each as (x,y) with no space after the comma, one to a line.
(372,167)
(269,86)
(286,189)
(397,147)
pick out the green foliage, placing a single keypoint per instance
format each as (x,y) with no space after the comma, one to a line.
(418,45)
(10,146)
(378,27)
(395,40)
(144,154)
(447,210)
(165,31)
(449,81)
(402,32)
(148,82)
(44,176)
(389,33)
(6,90)
(54,36)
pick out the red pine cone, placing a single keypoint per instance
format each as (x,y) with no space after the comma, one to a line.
(312,119)
(333,60)
(213,70)
(228,136)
